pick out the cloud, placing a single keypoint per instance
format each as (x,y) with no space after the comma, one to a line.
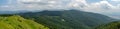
(30,0)
(100,6)
(36,4)
(116,0)
(103,7)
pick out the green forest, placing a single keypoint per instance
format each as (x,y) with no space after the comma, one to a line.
(112,25)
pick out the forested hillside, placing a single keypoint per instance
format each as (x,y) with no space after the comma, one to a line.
(68,19)
(112,25)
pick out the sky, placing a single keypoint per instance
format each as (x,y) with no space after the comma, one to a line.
(107,7)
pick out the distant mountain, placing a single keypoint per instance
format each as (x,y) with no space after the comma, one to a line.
(17,22)
(112,25)
(8,12)
(13,12)
(67,19)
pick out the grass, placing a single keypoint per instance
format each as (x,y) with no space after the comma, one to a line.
(17,22)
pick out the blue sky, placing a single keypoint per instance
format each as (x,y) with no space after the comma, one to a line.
(93,1)
(107,7)
(3,2)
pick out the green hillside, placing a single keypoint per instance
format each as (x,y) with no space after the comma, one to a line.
(17,22)
(113,25)
(68,19)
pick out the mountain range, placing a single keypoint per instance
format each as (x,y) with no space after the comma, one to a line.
(66,19)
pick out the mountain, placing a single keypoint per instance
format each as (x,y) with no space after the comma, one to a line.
(13,12)
(8,12)
(112,25)
(67,19)
(18,22)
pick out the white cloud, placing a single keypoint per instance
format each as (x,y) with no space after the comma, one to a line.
(62,4)
(99,6)
(116,0)
(30,0)
(52,2)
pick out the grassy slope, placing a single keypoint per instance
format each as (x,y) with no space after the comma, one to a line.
(17,22)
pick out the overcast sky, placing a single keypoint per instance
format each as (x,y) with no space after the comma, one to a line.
(97,6)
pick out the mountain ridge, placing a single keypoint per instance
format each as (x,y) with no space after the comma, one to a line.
(68,19)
